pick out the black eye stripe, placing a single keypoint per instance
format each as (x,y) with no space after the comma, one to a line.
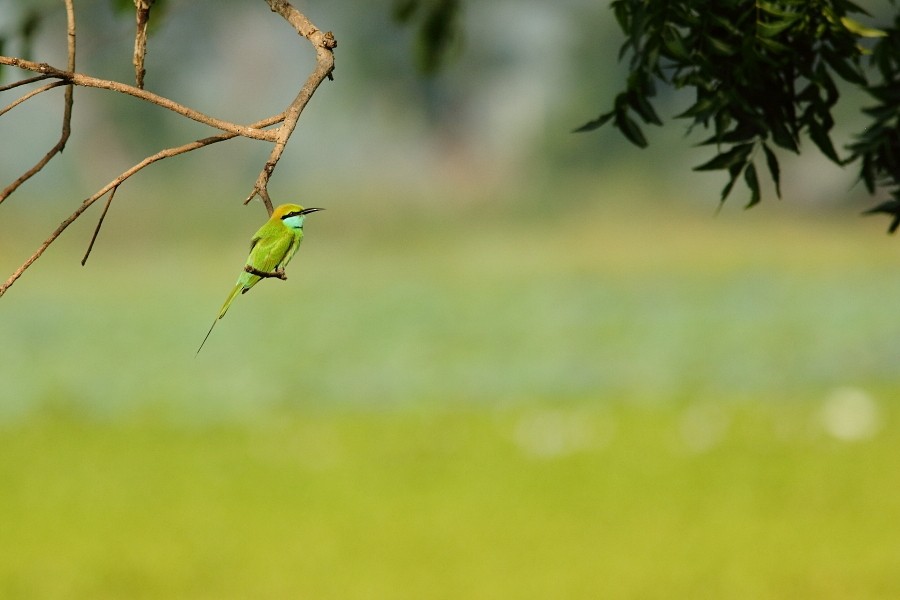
(290,214)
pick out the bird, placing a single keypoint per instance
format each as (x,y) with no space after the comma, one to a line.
(271,249)
(890,207)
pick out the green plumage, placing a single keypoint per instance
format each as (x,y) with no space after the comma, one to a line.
(271,249)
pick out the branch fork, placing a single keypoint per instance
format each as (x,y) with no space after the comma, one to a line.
(323,44)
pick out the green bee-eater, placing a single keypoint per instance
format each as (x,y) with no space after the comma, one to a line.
(271,249)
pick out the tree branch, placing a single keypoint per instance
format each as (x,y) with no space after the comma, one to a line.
(142,16)
(67,109)
(114,184)
(16,84)
(87,81)
(162,154)
(323,43)
(31,94)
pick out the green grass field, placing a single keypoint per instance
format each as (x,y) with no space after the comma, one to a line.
(520,503)
(590,404)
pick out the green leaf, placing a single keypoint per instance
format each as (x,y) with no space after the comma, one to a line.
(630,129)
(752,182)
(867,173)
(888,93)
(775,10)
(774,169)
(783,136)
(769,30)
(727,23)
(885,56)
(882,112)
(721,46)
(726,160)
(734,172)
(741,135)
(702,109)
(638,102)
(675,45)
(848,71)
(772,45)
(860,29)
(596,123)
(820,138)
(825,80)
(623,16)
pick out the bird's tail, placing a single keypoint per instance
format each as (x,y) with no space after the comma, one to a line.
(234,292)
(224,309)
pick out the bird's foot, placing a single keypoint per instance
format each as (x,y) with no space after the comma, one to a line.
(277,273)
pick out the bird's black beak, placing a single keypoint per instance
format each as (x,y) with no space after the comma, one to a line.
(306,211)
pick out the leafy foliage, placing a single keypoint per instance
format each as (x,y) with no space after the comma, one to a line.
(877,148)
(437,24)
(765,74)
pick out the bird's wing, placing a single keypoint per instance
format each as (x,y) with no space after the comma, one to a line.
(296,238)
(269,252)
(266,249)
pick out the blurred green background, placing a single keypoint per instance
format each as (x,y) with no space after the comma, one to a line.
(508,362)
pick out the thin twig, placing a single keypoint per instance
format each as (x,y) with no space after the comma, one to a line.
(83,80)
(168,152)
(90,247)
(16,84)
(29,95)
(323,43)
(142,15)
(67,110)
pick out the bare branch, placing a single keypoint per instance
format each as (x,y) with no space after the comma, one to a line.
(115,183)
(16,84)
(90,247)
(167,153)
(67,110)
(87,81)
(323,43)
(29,95)
(142,10)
